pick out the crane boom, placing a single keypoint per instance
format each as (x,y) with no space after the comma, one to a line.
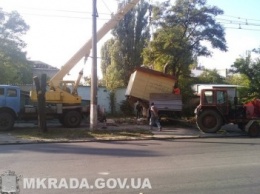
(86,48)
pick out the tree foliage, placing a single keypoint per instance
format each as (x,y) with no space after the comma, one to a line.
(14,66)
(249,67)
(111,69)
(211,77)
(121,54)
(244,84)
(181,32)
(238,79)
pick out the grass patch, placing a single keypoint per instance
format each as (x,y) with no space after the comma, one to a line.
(53,133)
(76,134)
(122,133)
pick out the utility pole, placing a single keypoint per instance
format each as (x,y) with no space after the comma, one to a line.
(93,101)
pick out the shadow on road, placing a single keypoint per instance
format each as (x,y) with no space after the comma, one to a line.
(92,148)
(223,141)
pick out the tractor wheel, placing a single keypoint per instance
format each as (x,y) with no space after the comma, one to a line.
(253,130)
(72,119)
(241,126)
(6,121)
(209,121)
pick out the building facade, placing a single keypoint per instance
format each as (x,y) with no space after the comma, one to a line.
(40,68)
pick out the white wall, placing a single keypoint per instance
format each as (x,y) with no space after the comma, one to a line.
(103,96)
(120,96)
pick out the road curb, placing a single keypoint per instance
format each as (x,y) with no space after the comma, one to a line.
(155,137)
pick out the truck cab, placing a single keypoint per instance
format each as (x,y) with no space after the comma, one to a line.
(9,105)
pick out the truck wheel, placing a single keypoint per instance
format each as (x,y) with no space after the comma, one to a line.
(72,119)
(61,119)
(209,121)
(6,121)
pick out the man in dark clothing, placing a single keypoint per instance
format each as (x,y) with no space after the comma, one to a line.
(154,119)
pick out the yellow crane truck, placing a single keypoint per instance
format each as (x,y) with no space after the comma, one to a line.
(61,103)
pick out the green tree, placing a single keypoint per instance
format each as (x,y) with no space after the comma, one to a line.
(238,79)
(114,75)
(250,67)
(123,51)
(121,54)
(211,77)
(243,85)
(189,100)
(106,55)
(14,66)
(182,29)
(112,71)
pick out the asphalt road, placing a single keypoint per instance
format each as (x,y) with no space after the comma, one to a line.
(212,165)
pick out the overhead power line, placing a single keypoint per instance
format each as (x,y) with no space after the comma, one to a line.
(241,28)
(242,18)
(240,23)
(62,16)
(228,21)
(248,23)
(107,7)
(58,10)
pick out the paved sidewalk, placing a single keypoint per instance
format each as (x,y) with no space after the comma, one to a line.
(179,132)
(167,133)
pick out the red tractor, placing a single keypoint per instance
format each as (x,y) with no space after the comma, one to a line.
(216,109)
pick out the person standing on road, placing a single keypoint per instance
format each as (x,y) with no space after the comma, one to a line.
(154,119)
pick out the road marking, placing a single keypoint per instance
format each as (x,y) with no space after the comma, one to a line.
(104,173)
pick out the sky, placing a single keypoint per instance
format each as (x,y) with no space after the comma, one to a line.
(241,20)
(59,28)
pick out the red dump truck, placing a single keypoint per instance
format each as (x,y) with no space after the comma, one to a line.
(147,85)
